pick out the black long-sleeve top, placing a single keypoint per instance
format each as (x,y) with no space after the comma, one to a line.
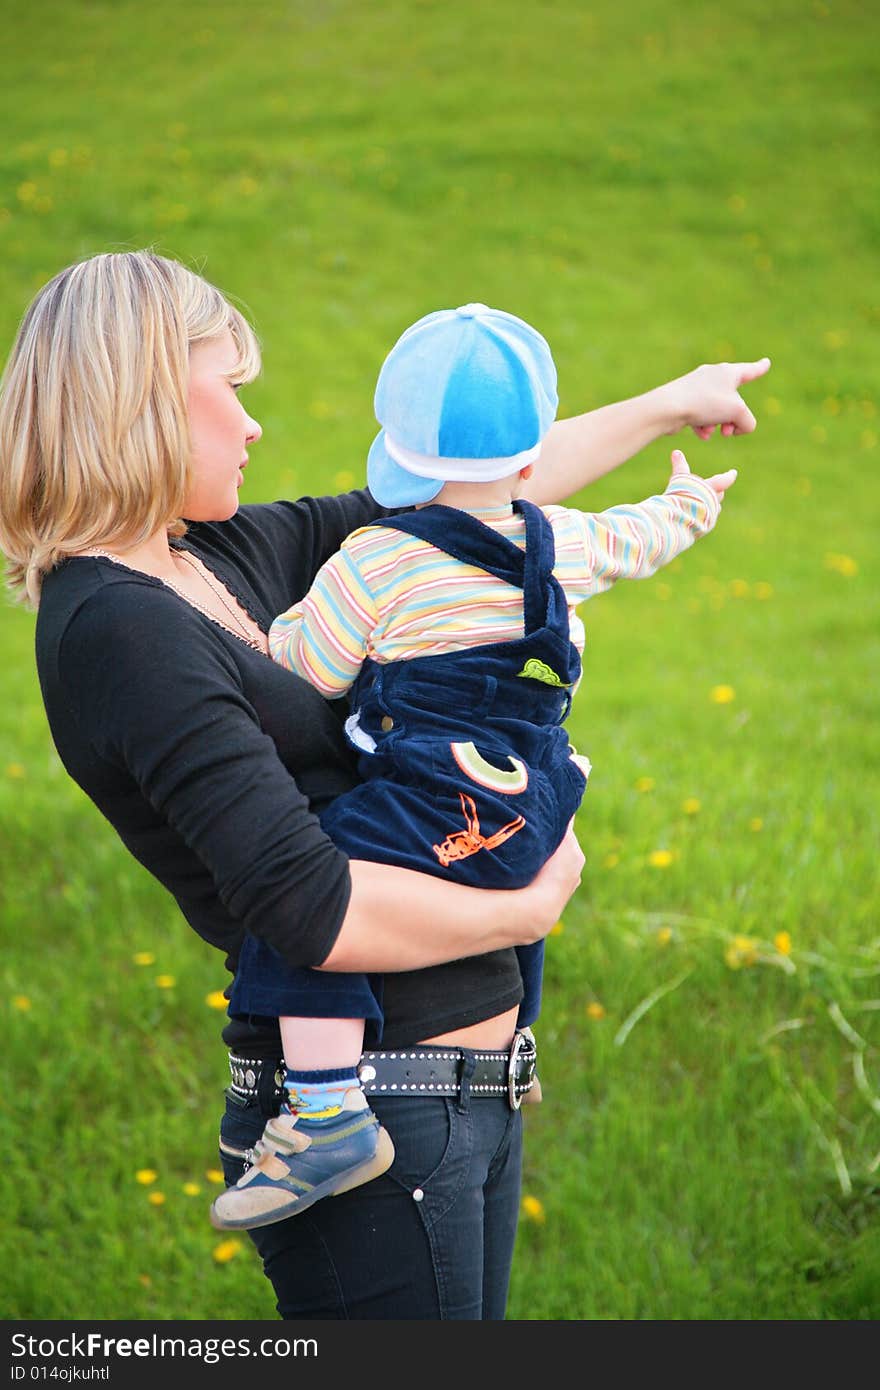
(212,762)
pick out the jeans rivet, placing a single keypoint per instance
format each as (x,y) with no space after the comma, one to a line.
(418,1195)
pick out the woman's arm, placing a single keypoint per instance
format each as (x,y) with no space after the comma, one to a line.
(398,919)
(583,448)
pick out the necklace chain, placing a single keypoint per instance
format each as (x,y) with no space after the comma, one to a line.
(242,632)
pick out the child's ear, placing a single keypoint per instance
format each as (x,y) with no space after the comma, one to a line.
(526,473)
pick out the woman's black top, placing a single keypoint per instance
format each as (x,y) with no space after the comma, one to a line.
(211,761)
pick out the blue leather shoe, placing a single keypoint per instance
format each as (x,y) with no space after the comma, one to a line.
(297,1164)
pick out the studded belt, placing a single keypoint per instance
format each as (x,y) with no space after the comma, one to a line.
(419,1071)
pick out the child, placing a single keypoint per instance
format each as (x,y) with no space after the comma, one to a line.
(454,627)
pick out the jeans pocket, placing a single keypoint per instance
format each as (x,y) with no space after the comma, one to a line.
(432,1147)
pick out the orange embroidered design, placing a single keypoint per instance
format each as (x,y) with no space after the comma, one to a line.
(460,844)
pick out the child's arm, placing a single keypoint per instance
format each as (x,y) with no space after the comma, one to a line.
(583,448)
(323,638)
(633,542)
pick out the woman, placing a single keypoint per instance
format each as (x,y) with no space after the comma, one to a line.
(119,416)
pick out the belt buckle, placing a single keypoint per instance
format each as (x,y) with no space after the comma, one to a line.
(514,1100)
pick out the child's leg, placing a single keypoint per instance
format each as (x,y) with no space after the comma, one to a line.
(326,1138)
(321,1057)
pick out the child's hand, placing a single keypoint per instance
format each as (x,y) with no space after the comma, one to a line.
(719,482)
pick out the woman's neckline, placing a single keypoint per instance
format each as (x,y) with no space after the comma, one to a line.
(203,612)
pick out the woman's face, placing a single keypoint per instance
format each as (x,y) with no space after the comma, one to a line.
(220,431)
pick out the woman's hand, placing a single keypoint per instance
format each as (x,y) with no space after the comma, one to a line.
(578,450)
(708,397)
(551,889)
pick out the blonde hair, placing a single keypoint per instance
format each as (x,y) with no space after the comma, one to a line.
(94,436)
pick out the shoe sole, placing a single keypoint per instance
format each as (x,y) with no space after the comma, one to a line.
(333,1187)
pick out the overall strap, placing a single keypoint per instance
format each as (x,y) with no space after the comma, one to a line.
(471,541)
(541,590)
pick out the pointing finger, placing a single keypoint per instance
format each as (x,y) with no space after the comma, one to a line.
(750,371)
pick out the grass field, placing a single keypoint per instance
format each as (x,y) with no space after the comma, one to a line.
(653,186)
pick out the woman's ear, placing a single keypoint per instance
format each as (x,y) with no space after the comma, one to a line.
(526,473)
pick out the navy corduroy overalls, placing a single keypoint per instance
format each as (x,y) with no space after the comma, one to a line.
(467,771)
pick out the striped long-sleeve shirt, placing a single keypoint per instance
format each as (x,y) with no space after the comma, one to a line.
(390,596)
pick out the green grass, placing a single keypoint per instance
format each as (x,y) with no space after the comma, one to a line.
(653,186)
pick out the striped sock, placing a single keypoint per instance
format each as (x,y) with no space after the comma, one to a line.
(317,1096)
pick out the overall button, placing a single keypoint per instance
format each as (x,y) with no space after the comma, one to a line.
(387,723)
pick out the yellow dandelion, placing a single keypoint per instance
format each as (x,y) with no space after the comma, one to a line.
(736,202)
(763,263)
(611,860)
(841,564)
(834,339)
(742,951)
(58,158)
(214,1175)
(146,1176)
(739,588)
(664,936)
(691,805)
(663,592)
(595,1010)
(226,1251)
(156,1199)
(165,981)
(722,694)
(661,858)
(344,480)
(868,439)
(15,771)
(557,929)
(782,942)
(26,192)
(756,824)
(644,784)
(533,1210)
(191,1189)
(831,405)
(43,203)
(145,1281)
(773,405)
(763,590)
(21,1002)
(320,410)
(868,408)
(247,185)
(144,958)
(216,999)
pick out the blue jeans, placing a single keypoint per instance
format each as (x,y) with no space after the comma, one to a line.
(432,1239)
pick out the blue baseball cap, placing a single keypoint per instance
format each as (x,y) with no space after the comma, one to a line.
(465,395)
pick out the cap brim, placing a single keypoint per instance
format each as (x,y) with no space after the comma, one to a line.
(391,485)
